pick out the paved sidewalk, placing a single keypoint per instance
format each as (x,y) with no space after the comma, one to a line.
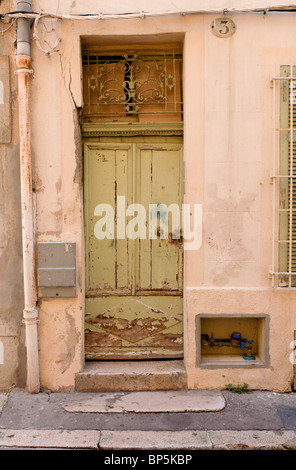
(257,420)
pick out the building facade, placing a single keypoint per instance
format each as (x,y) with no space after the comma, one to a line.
(194,110)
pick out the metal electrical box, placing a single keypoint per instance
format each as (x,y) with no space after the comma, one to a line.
(56,269)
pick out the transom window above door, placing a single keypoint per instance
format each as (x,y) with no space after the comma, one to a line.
(132,85)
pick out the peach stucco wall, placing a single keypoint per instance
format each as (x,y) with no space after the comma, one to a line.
(228,160)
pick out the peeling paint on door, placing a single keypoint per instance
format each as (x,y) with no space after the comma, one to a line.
(133,287)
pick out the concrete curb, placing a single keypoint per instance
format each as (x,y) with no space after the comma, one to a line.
(198,440)
(148,440)
(57,438)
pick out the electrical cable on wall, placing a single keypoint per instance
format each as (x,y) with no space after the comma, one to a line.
(14,15)
(36,36)
(10,25)
(143,14)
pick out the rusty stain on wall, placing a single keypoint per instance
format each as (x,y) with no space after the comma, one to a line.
(37,182)
(58,185)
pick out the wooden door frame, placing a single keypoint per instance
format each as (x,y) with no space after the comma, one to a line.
(91,132)
(128,130)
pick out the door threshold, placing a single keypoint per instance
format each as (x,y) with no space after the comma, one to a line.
(126,376)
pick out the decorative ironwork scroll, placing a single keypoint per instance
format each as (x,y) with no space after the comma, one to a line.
(128,85)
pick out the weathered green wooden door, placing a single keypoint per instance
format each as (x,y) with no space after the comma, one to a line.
(133,307)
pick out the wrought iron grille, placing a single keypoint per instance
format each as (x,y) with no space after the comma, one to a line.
(284,180)
(133,84)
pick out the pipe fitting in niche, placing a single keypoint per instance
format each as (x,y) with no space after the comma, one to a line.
(235,341)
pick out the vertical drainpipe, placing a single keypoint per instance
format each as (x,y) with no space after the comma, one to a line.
(30,313)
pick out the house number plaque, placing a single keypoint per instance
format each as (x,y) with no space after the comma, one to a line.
(223,27)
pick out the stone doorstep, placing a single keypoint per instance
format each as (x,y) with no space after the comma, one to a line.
(122,376)
(150,440)
(178,401)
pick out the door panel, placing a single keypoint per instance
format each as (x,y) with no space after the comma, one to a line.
(134,299)
(160,260)
(107,173)
(134,327)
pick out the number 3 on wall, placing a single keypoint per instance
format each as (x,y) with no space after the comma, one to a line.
(223,27)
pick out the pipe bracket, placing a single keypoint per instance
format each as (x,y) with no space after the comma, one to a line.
(24,70)
(30,315)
